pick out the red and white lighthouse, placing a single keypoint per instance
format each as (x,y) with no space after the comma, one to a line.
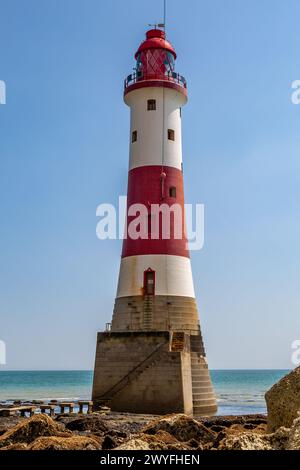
(153,359)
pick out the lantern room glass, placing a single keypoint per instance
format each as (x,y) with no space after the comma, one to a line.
(154,63)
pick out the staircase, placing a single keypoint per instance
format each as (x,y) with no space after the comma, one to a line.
(197,344)
(147,319)
(154,357)
(203,395)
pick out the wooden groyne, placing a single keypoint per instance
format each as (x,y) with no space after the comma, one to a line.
(52,408)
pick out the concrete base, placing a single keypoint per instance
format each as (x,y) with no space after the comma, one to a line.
(154,372)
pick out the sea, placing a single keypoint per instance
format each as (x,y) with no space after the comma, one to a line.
(238,391)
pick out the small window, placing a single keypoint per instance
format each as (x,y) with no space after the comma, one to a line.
(172,191)
(151,105)
(134,136)
(180,112)
(171,134)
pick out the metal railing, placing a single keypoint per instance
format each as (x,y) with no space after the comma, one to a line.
(169,77)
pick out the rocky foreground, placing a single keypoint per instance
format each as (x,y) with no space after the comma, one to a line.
(280,430)
(134,432)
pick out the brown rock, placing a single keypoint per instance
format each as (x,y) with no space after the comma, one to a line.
(167,438)
(279,439)
(283,401)
(111,441)
(182,427)
(245,441)
(134,444)
(228,421)
(241,440)
(294,437)
(160,441)
(65,443)
(92,423)
(237,430)
(20,446)
(9,422)
(29,429)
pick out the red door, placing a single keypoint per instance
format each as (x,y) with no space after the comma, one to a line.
(149,282)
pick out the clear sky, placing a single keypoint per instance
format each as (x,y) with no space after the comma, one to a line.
(64,150)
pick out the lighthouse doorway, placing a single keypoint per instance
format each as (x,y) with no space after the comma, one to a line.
(149,282)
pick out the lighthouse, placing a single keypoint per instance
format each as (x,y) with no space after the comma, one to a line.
(151,358)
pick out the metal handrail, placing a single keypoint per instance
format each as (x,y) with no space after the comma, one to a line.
(169,77)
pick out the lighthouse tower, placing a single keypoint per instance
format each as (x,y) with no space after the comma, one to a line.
(152,358)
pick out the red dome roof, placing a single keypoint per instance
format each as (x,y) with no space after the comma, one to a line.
(156,39)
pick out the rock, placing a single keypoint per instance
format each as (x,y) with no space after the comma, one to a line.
(20,446)
(283,401)
(236,430)
(294,437)
(63,443)
(165,441)
(92,423)
(238,439)
(160,441)
(134,444)
(217,428)
(111,442)
(193,444)
(167,438)
(9,422)
(279,439)
(104,410)
(29,429)
(182,427)
(228,421)
(245,441)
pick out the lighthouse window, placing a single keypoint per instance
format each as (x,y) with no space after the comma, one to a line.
(151,105)
(172,191)
(134,136)
(171,134)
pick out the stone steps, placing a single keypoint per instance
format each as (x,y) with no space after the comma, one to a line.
(203,389)
(206,410)
(203,395)
(199,373)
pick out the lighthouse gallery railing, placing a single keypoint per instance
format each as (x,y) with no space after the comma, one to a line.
(169,77)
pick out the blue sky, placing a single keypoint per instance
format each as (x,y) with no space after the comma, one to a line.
(64,150)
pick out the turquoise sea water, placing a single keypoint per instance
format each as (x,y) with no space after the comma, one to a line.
(238,391)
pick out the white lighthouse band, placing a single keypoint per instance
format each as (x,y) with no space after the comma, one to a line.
(173,275)
(155,111)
